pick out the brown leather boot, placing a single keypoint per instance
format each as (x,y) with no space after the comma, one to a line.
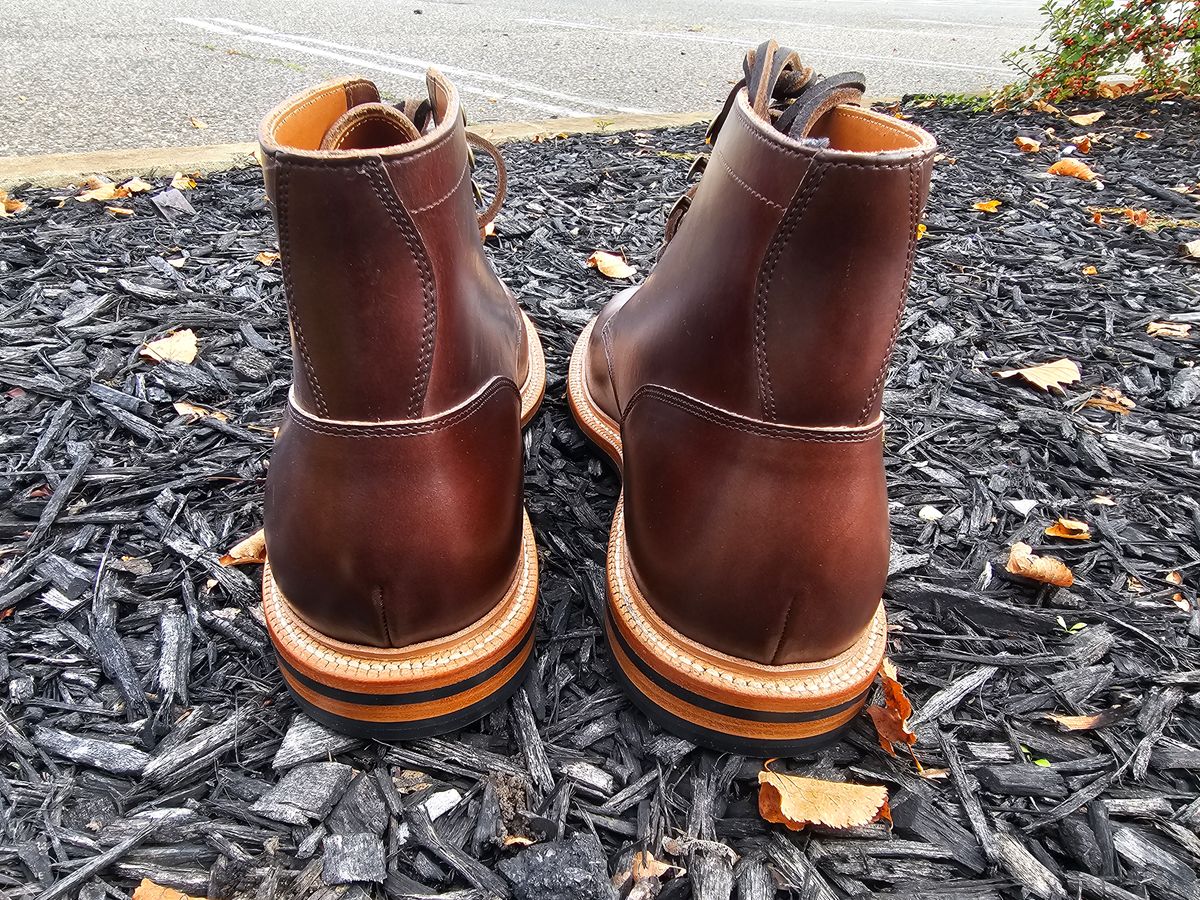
(402,573)
(738,389)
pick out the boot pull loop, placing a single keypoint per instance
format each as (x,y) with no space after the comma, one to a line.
(474,140)
(773,73)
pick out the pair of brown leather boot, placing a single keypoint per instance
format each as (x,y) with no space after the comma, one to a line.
(738,389)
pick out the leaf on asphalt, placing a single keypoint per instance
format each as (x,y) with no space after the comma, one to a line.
(1073,168)
(1171,330)
(197,123)
(149,890)
(178,346)
(267,257)
(182,182)
(1046,569)
(10,206)
(1070,528)
(196,413)
(611,265)
(1086,119)
(1111,399)
(795,801)
(1027,145)
(246,552)
(1049,376)
(891,719)
(987,206)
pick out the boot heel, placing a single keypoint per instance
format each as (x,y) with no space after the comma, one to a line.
(408,692)
(721,701)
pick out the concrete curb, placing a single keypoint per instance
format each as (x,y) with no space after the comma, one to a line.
(59,169)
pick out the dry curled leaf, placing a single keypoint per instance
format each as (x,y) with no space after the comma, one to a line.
(195,413)
(149,890)
(1086,119)
(197,123)
(137,186)
(1172,330)
(645,865)
(796,801)
(1027,145)
(1190,249)
(118,211)
(10,206)
(267,257)
(1049,376)
(103,192)
(1178,599)
(1070,528)
(1141,135)
(246,552)
(1046,569)
(1111,399)
(182,182)
(1083,144)
(178,346)
(1073,168)
(1090,270)
(611,265)
(987,206)
(891,719)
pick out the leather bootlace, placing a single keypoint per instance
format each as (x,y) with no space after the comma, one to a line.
(782,91)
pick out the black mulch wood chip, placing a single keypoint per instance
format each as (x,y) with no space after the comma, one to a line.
(144,730)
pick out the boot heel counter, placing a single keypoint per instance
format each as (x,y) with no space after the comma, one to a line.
(386,534)
(765,542)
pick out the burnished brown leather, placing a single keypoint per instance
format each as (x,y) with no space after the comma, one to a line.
(746,373)
(393,499)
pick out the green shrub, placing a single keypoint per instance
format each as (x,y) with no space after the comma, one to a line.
(1155,42)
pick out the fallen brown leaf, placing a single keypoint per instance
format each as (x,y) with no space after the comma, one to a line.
(1043,106)
(149,890)
(611,265)
(1102,719)
(1090,270)
(267,257)
(182,182)
(246,552)
(9,206)
(1111,399)
(1086,119)
(1171,330)
(1141,135)
(1190,249)
(1178,599)
(179,346)
(1083,144)
(891,719)
(1049,376)
(137,186)
(1027,145)
(197,123)
(987,206)
(645,865)
(119,211)
(103,192)
(796,801)
(1070,528)
(1072,168)
(1046,569)
(195,413)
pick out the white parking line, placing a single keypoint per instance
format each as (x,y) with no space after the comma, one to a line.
(920,32)
(524,86)
(361,63)
(949,24)
(750,42)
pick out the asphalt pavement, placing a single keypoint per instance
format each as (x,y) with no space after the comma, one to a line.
(81,76)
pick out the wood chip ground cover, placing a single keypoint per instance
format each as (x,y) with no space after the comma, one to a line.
(144,733)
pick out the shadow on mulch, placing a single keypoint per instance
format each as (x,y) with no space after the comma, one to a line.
(145,731)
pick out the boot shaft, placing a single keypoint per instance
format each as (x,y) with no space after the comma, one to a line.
(395,311)
(779,295)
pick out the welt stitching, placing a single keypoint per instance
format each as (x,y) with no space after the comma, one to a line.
(791,220)
(737,178)
(692,407)
(914,213)
(368,430)
(377,175)
(447,196)
(282,204)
